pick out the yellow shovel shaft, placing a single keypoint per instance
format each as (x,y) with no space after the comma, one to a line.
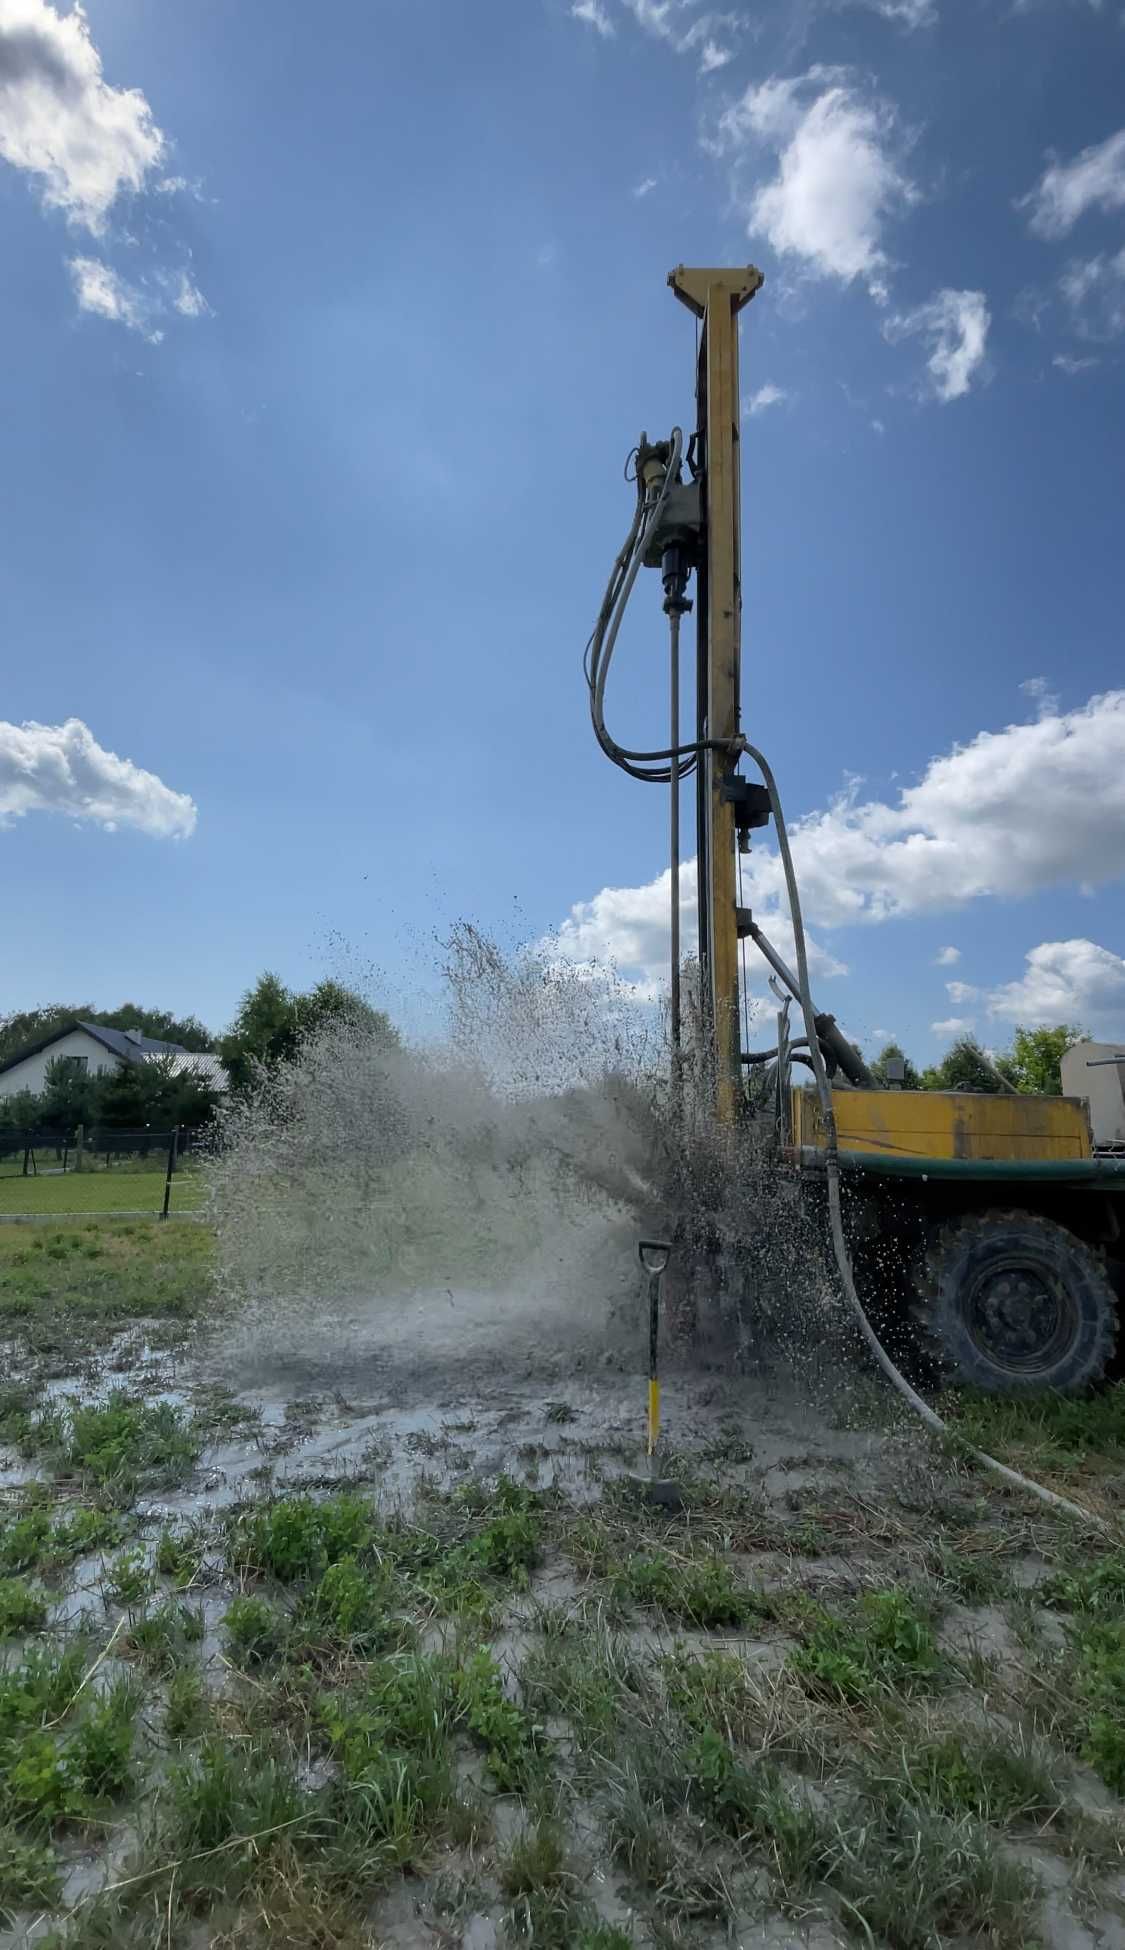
(653,1415)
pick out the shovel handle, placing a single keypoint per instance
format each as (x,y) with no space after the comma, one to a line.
(654,1255)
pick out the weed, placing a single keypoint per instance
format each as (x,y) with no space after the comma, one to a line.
(511,1741)
(995,1778)
(910,1877)
(700,1591)
(508,1547)
(163,1638)
(127,1580)
(1100,1684)
(255,1630)
(1098,1587)
(561,1412)
(536,1860)
(119,1443)
(31,1541)
(29,1876)
(209,1804)
(101,1749)
(407,1712)
(1055,1428)
(40,1782)
(40,1688)
(186,1709)
(349,1609)
(887,1643)
(713,1690)
(177,1559)
(971,1580)
(21,1608)
(299,1538)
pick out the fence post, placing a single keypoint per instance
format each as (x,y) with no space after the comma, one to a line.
(172,1142)
(65,1152)
(79,1142)
(26,1156)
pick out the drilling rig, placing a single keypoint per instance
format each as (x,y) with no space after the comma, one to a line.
(989,1220)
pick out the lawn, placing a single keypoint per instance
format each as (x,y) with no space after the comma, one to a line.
(98,1191)
(67,1289)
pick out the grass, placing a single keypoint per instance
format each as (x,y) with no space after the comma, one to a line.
(1052,1434)
(22,1608)
(102,1192)
(116,1445)
(67,1288)
(886,1643)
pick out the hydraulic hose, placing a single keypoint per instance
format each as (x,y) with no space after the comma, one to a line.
(897,1379)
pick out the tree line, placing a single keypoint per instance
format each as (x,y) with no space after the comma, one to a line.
(1031,1065)
(269,1025)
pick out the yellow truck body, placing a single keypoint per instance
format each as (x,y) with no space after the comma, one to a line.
(947,1124)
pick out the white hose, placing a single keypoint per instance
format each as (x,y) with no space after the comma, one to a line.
(925,1413)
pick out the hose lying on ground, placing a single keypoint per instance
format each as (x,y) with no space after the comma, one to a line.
(926,1414)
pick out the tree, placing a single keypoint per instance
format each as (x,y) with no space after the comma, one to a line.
(272,1021)
(1036,1055)
(69,1096)
(963,1067)
(152,1094)
(910,1078)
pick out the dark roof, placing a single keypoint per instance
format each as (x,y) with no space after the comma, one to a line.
(128,1044)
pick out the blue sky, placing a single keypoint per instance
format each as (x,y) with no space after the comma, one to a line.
(323,337)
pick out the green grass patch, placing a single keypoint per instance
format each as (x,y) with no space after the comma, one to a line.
(699,1591)
(22,1608)
(35,1540)
(255,1631)
(997,1778)
(1063,1430)
(297,1538)
(511,1741)
(29,1877)
(65,1289)
(104,1193)
(116,1445)
(884,1644)
(1096,1587)
(162,1639)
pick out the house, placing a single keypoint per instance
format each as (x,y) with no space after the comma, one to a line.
(94,1050)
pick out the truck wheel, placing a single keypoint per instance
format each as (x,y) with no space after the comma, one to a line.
(1013,1304)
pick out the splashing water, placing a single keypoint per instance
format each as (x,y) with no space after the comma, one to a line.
(490,1190)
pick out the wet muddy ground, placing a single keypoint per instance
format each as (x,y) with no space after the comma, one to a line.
(353,1625)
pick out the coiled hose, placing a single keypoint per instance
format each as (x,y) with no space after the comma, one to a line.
(897,1379)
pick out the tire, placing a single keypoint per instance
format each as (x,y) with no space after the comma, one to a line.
(1013,1304)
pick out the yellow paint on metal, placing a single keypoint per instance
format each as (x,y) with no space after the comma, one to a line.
(717,297)
(948,1124)
(653,1415)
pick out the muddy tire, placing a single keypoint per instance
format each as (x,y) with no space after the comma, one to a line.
(1014,1304)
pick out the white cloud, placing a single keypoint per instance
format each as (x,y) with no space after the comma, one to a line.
(1094,291)
(877,426)
(628,928)
(765,396)
(645,187)
(99,289)
(962,992)
(1066,362)
(594,14)
(662,19)
(63,769)
(953,1026)
(1095,179)
(188,299)
(83,140)
(839,177)
(956,325)
(713,56)
(910,14)
(1066,981)
(963,831)
(1045,700)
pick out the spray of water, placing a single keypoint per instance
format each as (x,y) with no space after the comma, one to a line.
(485,1195)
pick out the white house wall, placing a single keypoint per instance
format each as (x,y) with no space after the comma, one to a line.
(31,1074)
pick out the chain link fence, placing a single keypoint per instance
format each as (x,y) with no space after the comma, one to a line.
(130,1174)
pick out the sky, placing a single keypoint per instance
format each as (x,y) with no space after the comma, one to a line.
(323,339)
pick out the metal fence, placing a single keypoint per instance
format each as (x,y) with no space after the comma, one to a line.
(133,1174)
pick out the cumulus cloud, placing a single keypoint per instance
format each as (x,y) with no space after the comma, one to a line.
(839,176)
(645,187)
(594,14)
(1093,180)
(910,14)
(962,992)
(1066,362)
(953,1026)
(764,397)
(962,833)
(628,928)
(101,290)
(664,20)
(83,141)
(1066,981)
(63,769)
(955,324)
